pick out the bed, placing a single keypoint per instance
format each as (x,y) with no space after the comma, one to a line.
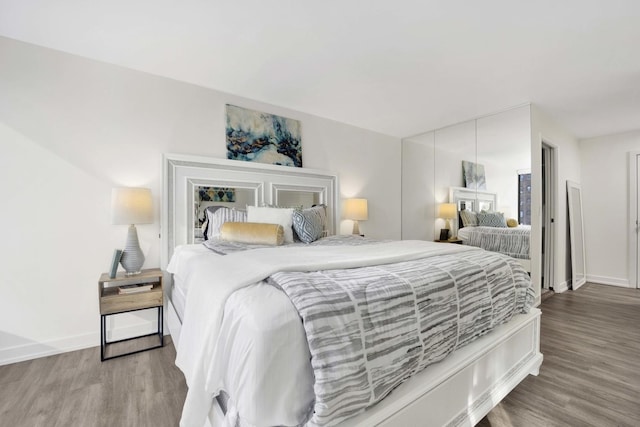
(476,208)
(215,319)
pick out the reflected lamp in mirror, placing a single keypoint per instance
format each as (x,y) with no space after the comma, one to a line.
(131,206)
(447,211)
(356,210)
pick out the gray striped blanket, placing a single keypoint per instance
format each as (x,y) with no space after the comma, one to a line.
(371,328)
(509,241)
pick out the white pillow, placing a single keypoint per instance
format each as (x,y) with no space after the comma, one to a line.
(284,217)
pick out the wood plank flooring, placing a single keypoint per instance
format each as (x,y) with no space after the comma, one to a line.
(76,389)
(590,376)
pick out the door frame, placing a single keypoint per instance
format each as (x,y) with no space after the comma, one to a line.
(632,226)
(550,208)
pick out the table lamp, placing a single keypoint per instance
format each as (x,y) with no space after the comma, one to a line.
(131,206)
(447,211)
(356,210)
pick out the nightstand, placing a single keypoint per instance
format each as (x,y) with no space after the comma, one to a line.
(112,302)
(456,241)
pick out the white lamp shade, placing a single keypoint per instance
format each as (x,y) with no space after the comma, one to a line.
(131,206)
(356,209)
(447,210)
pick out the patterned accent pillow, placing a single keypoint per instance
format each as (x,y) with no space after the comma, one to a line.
(220,216)
(469,218)
(208,214)
(492,219)
(309,224)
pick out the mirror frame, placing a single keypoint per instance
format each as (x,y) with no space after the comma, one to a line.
(576,224)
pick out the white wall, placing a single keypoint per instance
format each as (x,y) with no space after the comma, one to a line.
(70,130)
(605,198)
(543,128)
(418,199)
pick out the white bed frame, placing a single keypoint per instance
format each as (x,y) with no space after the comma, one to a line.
(479,200)
(458,391)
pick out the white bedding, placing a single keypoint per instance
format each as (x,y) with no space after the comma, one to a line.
(262,346)
(208,343)
(464,232)
(512,241)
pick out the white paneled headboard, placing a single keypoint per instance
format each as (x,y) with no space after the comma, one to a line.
(474,200)
(267,184)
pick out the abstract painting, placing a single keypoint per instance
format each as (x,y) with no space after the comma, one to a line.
(473,175)
(217,194)
(261,137)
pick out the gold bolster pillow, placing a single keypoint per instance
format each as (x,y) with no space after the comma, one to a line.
(252,232)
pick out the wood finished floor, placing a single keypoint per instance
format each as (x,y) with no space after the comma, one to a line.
(590,376)
(76,389)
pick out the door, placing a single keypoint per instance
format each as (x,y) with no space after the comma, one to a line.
(548,214)
(637,221)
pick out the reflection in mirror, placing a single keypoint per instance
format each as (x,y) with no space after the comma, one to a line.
(295,198)
(576,233)
(432,164)
(205,196)
(240,198)
(504,149)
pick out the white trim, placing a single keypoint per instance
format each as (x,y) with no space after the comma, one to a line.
(632,251)
(34,350)
(552,211)
(561,287)
(612,281)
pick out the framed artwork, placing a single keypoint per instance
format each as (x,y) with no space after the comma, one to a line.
(473,175)
(254,136)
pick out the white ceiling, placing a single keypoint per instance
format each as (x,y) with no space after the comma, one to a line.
(397,67)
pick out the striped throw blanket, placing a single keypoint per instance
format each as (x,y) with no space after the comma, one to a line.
(509,241)
(371,328)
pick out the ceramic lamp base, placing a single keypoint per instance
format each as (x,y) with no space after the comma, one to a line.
(132,256)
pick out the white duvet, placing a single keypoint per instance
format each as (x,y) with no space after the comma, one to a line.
(207,343)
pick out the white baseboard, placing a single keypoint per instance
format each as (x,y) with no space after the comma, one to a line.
(613,281)
(35,350)
(561,287)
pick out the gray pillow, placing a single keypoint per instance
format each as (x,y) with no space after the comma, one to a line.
(309,224)
(220,216)
(469,218)
(492,219)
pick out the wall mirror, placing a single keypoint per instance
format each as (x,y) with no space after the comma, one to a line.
(236,195)
(432,165)
(576,235)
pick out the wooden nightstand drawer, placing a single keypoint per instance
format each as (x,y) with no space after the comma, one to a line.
(111,302)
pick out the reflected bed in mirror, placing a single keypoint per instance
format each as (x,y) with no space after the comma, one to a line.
(479,225)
